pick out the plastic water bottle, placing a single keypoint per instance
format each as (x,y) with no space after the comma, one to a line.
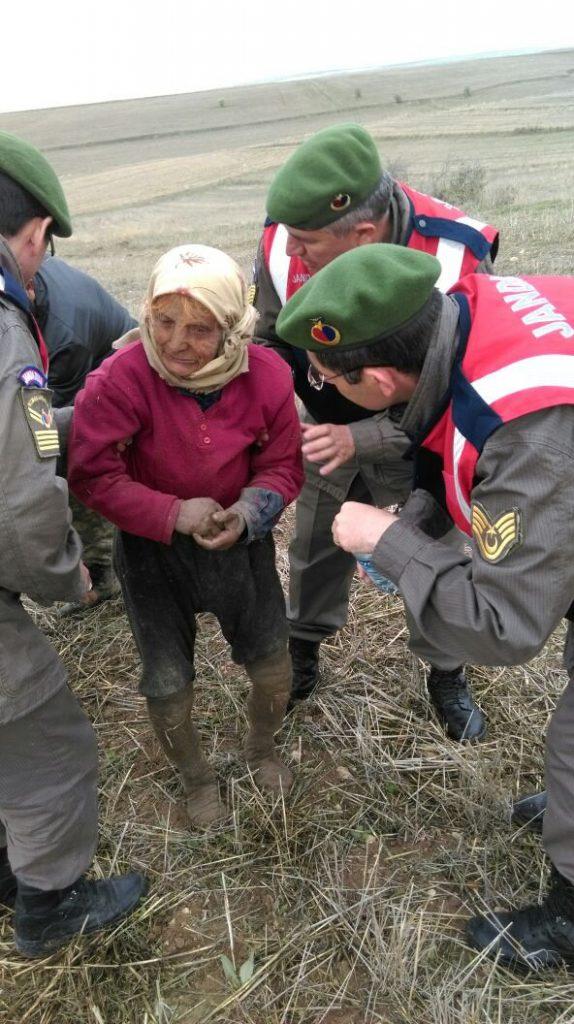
(381,582)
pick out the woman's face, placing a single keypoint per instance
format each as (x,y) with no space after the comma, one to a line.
(185,339)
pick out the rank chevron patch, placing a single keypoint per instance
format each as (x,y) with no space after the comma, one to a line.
(496,539)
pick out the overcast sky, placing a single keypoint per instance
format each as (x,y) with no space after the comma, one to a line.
(83,52)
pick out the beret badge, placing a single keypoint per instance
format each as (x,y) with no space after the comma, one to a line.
(325,334)
(340,202)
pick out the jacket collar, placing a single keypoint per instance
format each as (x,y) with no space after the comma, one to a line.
(434,382)
(8,261)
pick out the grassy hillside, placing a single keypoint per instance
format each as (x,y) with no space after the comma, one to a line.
(352,895)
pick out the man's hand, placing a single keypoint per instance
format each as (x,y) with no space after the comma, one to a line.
(358,528)
(330,443)
(229,523)
(196,517)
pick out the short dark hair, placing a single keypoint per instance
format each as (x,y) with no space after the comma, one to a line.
(17,206)
(405,349)
(373,208)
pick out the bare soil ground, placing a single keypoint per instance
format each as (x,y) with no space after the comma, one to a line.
(346,903)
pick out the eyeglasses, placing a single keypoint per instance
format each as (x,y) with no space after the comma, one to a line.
(317,380)
(50,243)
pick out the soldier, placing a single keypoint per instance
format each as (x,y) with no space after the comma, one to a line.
(331,196)
(485,378)
(48,760)
(80,321)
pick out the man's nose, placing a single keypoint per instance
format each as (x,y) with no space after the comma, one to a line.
(294,246)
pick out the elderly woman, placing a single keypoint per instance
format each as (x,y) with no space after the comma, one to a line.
(213,461)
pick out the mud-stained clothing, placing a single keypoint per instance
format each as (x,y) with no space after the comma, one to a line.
(179,449)
(184,448)
(165,586)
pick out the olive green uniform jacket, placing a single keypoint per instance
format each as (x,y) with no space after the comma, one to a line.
(39,551)
(461,607)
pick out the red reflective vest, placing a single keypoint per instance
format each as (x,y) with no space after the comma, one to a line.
(516,356)
(458,241)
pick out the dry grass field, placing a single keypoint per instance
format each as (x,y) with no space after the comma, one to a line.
(346,903)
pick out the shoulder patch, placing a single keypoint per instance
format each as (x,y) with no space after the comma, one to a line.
(32,377)
(495,539)
(39,415)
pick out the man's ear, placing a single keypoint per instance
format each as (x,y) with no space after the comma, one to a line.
(29,245)
(385,377)
(366,232)
(39,228)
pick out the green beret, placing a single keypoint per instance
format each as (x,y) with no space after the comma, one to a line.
(359,298)
(326,177)
(25,164)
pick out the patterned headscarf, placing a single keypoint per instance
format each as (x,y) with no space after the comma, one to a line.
(212,278)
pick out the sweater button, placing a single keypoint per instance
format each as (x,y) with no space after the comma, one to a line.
(207,440)
(203,426)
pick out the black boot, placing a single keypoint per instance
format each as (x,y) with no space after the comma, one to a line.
(533,938)
(44,921)
(528,812)
(8,883)
(305,658)
(452,699)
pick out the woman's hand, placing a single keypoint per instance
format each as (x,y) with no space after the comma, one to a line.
(230,525)
(196,517)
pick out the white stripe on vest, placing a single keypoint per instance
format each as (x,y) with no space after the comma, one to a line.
(451,255)
(537,372)
(279,263)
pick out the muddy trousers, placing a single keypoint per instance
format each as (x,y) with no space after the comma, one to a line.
(271,681)
(171,718)
(48,794)
(558,831)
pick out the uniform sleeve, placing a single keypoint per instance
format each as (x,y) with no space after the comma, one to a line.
(378,439)
(268,305)
(496,612)
(99,475)
(277,466)
(40,552)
